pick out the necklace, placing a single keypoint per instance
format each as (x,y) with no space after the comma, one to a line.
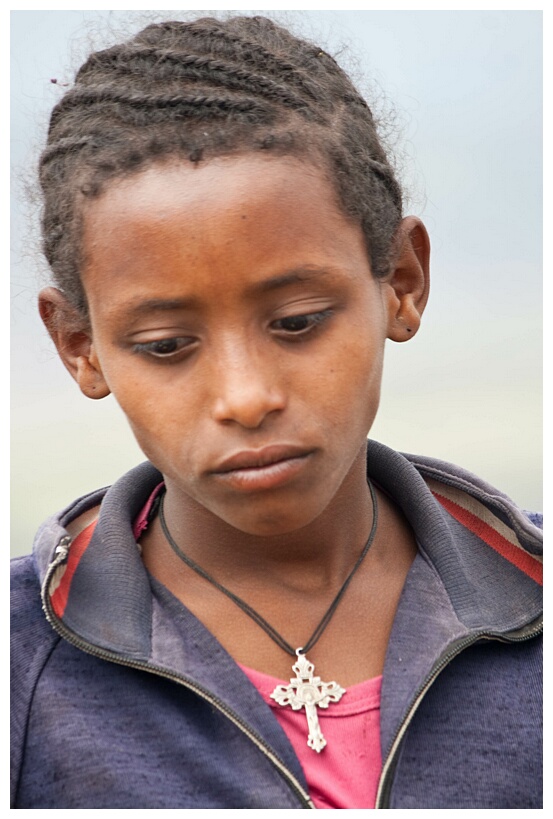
(305,690)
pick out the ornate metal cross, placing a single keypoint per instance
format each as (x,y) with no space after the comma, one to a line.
(307,691)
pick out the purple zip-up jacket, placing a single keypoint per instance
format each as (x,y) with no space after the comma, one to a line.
(125,700)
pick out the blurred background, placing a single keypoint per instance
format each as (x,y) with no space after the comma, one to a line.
(460,97)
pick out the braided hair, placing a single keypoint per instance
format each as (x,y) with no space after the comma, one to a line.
(203,89)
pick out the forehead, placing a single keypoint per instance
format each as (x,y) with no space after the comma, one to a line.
(243,215)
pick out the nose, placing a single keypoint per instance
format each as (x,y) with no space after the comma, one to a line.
(246,387)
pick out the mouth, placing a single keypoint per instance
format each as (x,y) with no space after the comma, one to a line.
(267,468)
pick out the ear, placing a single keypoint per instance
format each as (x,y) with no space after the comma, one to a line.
(70,331)
(409,284)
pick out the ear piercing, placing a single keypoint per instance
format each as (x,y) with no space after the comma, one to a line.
(407,329)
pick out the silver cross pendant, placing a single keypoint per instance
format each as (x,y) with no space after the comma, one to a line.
(307,691)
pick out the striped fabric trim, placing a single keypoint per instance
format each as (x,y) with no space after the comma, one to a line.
(478,519)
(61,583)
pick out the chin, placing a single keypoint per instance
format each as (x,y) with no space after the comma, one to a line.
(271,524)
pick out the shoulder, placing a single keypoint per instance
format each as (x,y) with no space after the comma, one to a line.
(31,635)
(24,590)
(32,641)
(477,504)
(486,551)
(535,517)
(463,494)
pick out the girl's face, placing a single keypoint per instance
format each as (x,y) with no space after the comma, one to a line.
(235,318)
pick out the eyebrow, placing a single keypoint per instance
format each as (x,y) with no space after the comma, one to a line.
(150,305)
(291,277)
(296,276)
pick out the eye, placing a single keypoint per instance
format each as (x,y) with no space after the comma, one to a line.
(302,324)
(164,347)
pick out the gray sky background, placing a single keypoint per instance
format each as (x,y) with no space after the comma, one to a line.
(466,90)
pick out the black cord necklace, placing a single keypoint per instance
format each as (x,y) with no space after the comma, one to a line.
(305,690)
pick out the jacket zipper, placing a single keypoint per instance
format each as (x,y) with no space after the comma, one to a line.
(388,768)
(61,553)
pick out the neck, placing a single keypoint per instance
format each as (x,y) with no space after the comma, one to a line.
(320,553)
(290,580)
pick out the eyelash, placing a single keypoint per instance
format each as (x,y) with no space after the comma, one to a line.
(155,348)
(180,344)
(313,322)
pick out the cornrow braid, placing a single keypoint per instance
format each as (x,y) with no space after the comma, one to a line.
(203,89)
(216,38)
(140,108)
(205,68)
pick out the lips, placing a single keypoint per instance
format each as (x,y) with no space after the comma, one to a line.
(267,468)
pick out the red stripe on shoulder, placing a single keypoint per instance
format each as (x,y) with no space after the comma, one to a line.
(79,546)
(518,557)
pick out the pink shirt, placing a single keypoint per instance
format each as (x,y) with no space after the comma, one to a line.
(346,772)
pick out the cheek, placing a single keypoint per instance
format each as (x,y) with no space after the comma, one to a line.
(349,389)
(173,432)
(156,416)
(360,368)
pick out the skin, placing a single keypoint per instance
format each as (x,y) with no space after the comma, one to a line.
(232,309)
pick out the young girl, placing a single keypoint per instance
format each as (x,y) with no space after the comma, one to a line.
(270,612)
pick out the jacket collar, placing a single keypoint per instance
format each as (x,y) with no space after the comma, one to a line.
(478,573)
(474,538)
(485,551)
(475,573)
(113,608)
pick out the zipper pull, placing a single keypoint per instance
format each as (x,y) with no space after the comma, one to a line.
(62,549)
